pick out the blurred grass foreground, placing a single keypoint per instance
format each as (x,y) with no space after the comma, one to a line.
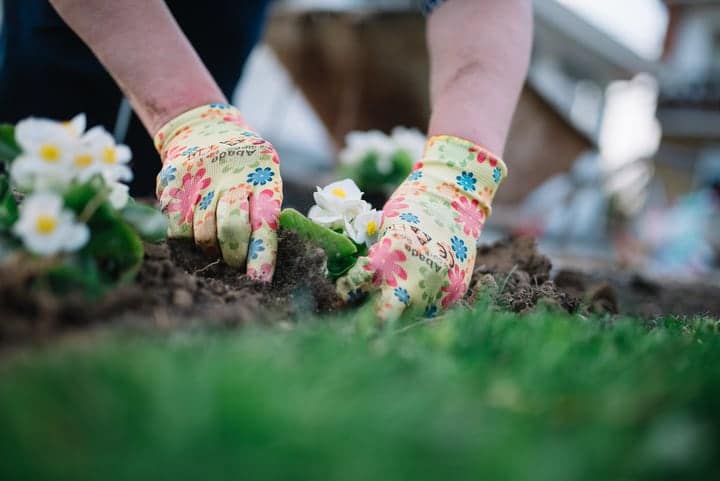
(480,394)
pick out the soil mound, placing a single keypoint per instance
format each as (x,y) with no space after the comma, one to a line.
(179,286)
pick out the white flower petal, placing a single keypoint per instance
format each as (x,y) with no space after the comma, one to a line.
(410,140)
(365,228)
(76,237)
(31,173)
(325,218)
(118,195)
(339,196)
(77,124)
(98,136)
(44,246)
(123,153)
(66,234)
(33,132)
(42,202)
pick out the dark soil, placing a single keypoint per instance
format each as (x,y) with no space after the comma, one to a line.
(518,276)
(645,298)
(179,286)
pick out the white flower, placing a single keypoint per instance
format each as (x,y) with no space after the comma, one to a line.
(56,153)
(365,227)
(337,202)
(47,147)
(46,228)
(360,144)
(119,196)
(411,141)
(337,195)
(325,218)
(98,153)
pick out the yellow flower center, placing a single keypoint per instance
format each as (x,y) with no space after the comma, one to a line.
(45,224)
(338,192)
(371,228)
(83,160)
(108,155)
(50,153)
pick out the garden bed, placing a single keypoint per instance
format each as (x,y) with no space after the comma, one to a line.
(179,286)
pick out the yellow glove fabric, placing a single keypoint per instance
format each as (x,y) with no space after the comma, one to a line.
(220,185)
(426,250)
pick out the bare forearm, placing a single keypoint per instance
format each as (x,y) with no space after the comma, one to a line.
(479,53)
(147,54)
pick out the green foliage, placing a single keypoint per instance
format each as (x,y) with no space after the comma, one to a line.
(8,206)
(76,273)
(370,179)
(9,149)
(342,253)
(114,253)
(479,394)
(150,223)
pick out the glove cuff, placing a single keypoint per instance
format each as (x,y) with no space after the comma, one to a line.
(474,169)
(221,113)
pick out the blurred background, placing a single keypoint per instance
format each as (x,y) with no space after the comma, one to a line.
(614,152)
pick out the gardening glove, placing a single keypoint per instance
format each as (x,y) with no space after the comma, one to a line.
(220,185)
(426,249)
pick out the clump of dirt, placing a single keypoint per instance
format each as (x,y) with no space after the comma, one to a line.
(518,277)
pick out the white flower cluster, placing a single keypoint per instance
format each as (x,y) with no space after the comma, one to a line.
(340,206)
(54,155)
(360,144)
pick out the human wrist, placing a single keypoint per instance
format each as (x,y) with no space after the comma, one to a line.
(159,110)
(476,171)
(455,112)
(186,119)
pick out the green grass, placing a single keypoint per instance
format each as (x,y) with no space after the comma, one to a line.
(479,395)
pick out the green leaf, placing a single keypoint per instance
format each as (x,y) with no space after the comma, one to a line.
(118,251)
(371,180)
(90,199)
(402,165)
(8,206)
(338,266)
(114,244)
(9,148)
(341,252)
(149,222)
(76,273)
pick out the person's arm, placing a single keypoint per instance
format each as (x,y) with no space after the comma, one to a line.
(479,54)
(143,48)
(424,257)
(220,182)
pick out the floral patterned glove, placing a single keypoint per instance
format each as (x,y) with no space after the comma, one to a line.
(425,253)
(220,184)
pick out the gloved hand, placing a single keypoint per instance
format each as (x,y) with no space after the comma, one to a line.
(220,184)
(424,256)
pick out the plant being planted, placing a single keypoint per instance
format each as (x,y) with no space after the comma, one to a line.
(340,222)
(65,213)
(380,162)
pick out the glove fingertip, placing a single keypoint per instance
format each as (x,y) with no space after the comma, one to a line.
(355,285)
